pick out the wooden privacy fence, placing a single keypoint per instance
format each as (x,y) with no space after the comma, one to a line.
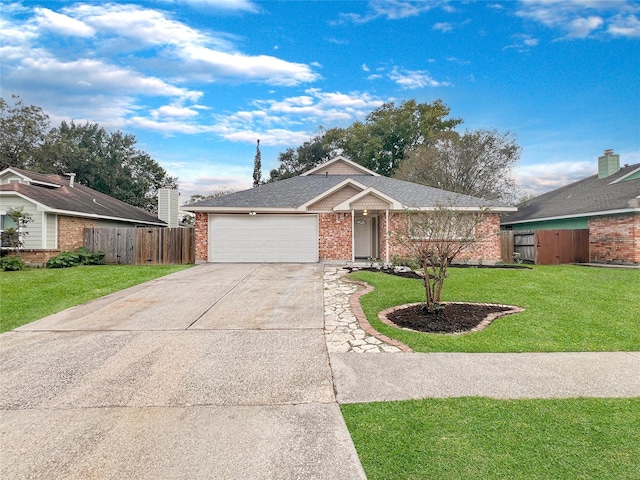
(142,246)
(545,247)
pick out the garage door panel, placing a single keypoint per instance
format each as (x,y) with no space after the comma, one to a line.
(263,238)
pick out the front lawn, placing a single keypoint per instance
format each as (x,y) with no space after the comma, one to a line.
(479,438)
(28,295)
(567,308)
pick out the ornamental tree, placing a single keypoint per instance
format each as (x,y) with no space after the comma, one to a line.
(435,238)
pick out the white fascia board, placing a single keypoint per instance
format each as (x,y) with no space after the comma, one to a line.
(340,158)
(215,210)
(44,208)
(346,205)
(577,215)
(345,183)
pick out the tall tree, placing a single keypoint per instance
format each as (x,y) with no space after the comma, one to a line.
(23,129)
(477,163)
(257,166)
(380,142)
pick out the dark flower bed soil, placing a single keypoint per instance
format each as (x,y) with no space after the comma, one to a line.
(454,318)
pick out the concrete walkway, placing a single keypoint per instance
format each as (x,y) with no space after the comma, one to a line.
(219,371)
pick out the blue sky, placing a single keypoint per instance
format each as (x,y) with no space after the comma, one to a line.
(199,81)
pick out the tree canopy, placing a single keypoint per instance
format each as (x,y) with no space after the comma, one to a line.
(108,162)
(477,163)
(379,143)
(293,162)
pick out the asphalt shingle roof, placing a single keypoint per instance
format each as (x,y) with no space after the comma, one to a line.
(589,195)
(296,191)
(79,199)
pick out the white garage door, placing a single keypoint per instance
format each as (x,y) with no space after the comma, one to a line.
(263,238)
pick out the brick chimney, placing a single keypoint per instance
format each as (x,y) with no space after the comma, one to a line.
(608,164)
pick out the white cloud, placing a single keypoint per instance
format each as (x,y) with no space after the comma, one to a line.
(167,127)
(201,55)
(393,10)
(263,68)
(93,76)
(63,24)
(583,18)
(583,27)
(625,26)
(542,177)
(231,5)
(291,121)
(443,26)
(522,42)
(458,61)
(173,111)
(413,79)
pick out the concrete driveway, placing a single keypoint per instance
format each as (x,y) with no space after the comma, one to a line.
(218,371)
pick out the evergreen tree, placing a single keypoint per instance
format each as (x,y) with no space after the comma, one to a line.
(257,166)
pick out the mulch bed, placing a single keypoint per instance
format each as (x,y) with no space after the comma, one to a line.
(454,318)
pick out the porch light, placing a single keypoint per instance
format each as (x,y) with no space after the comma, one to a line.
(365,212)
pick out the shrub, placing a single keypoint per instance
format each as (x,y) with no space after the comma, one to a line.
(412,263)
(12,264)
(80,256)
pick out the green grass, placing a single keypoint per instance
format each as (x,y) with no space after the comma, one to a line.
(28,295)
(480,438)
(567,308)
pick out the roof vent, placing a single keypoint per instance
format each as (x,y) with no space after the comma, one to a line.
(72,178)
(608,164)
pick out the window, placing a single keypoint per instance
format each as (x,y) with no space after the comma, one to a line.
(442,226)
(9,231)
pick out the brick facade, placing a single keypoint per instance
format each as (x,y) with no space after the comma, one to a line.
(486,249)
(615,239)
(35,256)
(334,236)
(202,236)
(71,231)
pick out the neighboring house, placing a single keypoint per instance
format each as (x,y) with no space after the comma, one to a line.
(61,209)
(338,211)
(607,204)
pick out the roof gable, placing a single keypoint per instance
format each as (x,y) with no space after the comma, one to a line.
(336,197)
(340,166)
(369,199)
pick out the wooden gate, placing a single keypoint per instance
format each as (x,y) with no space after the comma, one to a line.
(142,246)
(555,247)
(546,247)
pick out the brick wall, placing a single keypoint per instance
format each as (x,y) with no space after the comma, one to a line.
(615,239)
(335,235)
(71,231)
(36,257)
(486,249)
(202,236)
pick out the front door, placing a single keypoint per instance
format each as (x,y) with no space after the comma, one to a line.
(363,236)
